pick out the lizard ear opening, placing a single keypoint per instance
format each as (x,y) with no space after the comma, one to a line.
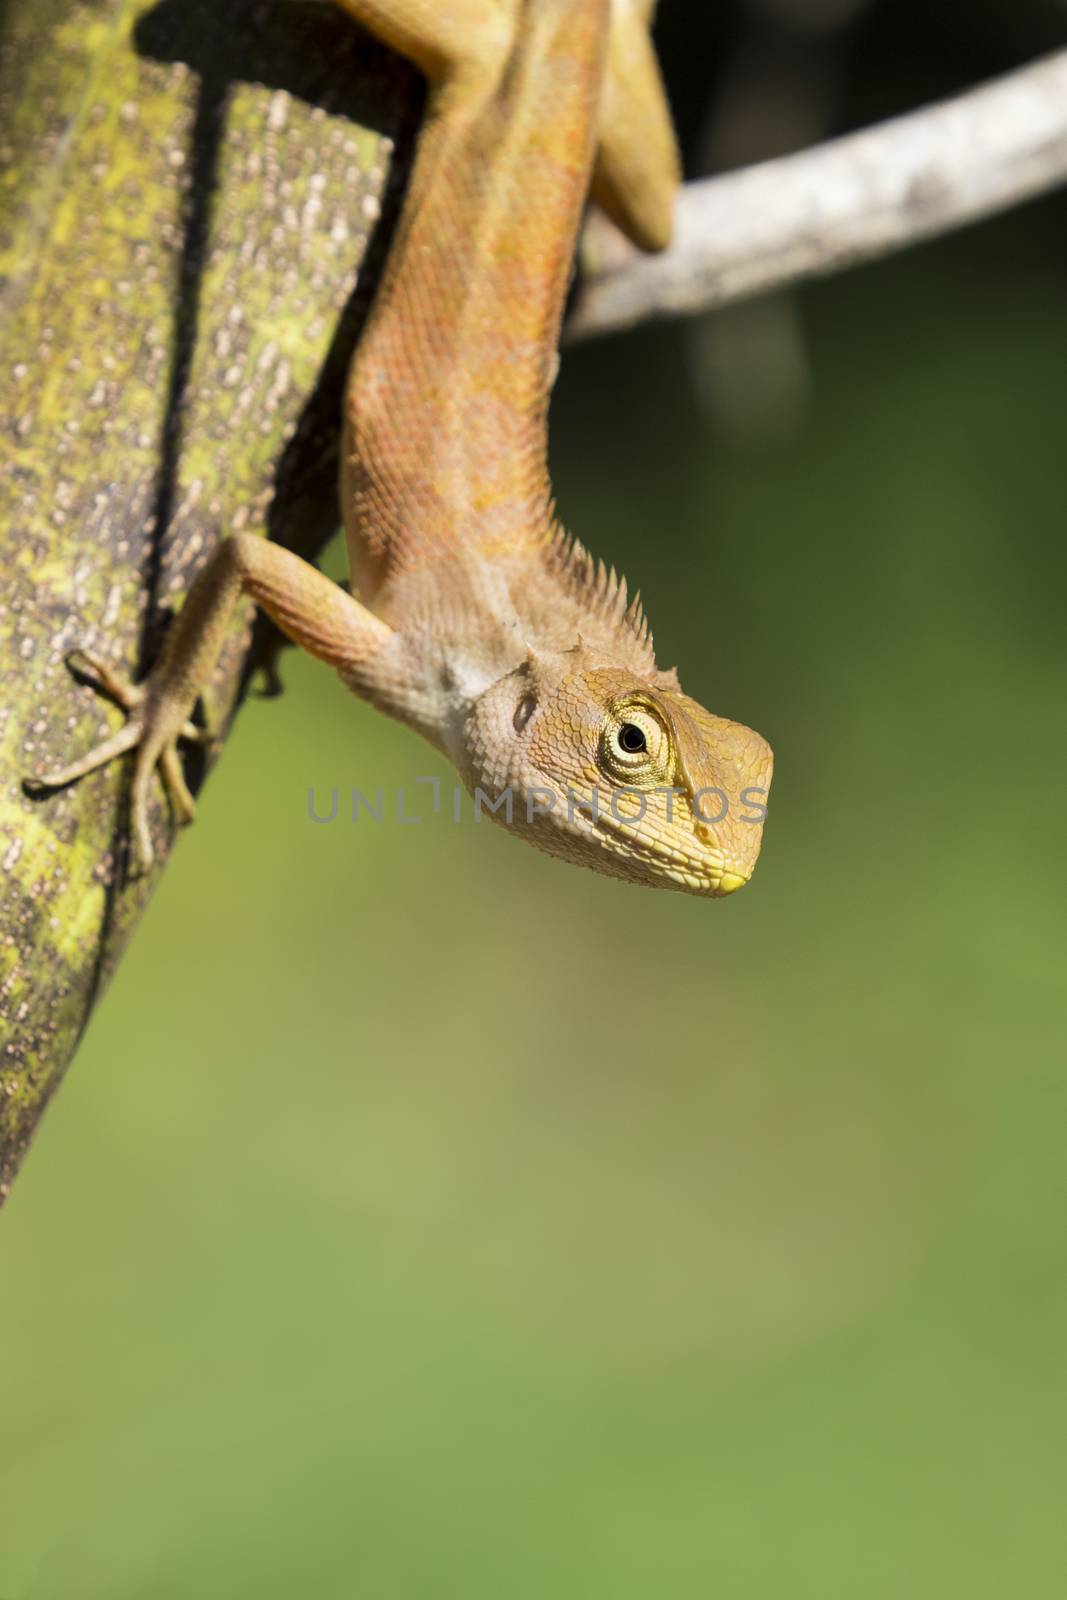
(524,711)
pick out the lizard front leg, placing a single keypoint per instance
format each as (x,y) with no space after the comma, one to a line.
(310,609)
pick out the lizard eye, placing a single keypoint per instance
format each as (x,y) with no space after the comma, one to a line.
(635,744)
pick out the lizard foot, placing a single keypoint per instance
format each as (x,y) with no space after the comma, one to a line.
(150,730)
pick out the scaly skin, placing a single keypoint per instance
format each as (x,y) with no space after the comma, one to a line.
(479,623)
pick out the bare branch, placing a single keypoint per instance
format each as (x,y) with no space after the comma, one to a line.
(840,203)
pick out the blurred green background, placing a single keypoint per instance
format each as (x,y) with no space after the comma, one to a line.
(424,1217)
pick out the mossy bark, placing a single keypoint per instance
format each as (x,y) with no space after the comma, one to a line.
(193,201)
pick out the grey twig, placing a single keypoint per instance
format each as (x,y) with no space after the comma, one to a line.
(839,203)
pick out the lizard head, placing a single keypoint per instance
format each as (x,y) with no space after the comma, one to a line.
(620,772)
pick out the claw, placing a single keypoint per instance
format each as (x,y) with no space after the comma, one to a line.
(155,748)
(271,686)
(117,745)
(89,669)
(182,802)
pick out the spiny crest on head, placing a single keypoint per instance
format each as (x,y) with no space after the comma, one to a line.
(600,588)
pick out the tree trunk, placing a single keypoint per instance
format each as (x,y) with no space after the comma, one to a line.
(190,192)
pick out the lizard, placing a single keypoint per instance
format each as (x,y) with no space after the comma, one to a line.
(472,616)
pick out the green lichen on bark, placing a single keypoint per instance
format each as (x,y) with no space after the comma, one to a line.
(190,201)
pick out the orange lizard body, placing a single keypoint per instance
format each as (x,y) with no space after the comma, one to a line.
(478,621)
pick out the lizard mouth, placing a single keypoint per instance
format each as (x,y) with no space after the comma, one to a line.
(706,874)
